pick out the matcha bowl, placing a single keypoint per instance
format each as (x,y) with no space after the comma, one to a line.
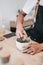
(20,43)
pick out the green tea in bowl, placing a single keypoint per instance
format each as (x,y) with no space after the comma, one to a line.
(20,43)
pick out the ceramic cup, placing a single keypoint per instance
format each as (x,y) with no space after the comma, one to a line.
(4,59)
(20,45)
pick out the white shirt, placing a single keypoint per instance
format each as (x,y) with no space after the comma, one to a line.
(30,4)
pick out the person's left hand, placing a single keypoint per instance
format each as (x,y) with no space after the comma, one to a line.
(33,48)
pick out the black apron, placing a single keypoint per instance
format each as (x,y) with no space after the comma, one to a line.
(36,33)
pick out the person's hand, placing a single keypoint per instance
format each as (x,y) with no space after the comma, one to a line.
(20,32)
(33,48)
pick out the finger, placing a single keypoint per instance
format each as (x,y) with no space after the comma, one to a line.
(25,51)
(24,37)
(26,46)
(29,51)
(17,34)
(20,34)
(32,53)
(25,34)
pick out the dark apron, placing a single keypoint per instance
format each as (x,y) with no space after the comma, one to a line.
(36,33)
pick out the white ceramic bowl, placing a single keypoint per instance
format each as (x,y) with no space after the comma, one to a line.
(20,45)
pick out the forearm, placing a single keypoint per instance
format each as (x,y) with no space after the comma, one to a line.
(20,18)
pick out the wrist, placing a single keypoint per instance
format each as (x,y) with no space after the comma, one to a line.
(41,46)
(19,25)
(20,22)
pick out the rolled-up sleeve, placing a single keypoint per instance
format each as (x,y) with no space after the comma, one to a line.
(29,5)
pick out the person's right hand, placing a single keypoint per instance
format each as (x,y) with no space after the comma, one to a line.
(20,32)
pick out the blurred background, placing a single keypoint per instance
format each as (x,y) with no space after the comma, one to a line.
(9,11)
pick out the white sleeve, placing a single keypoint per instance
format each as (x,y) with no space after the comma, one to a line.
(29,5)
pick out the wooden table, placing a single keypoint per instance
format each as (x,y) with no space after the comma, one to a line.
(17,57)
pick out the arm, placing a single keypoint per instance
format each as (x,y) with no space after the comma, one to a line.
(25,10)
(20,18)
(20,32)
